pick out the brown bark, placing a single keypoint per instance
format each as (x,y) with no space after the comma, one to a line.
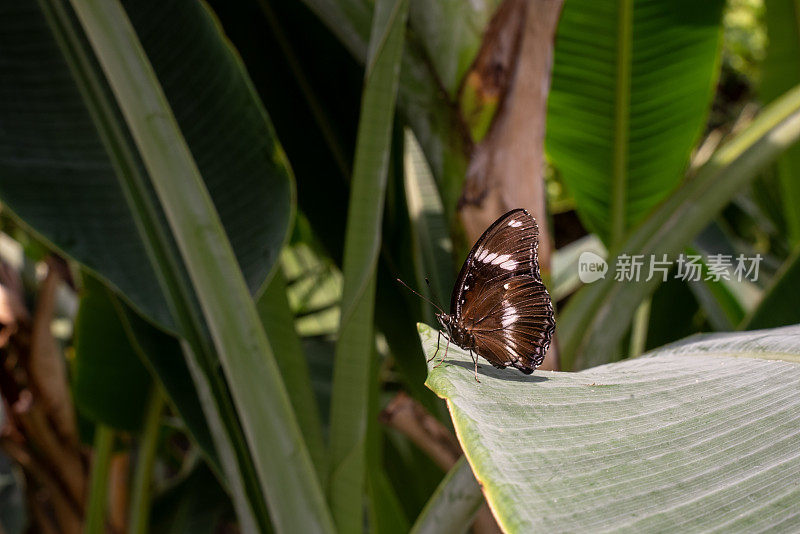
(506,170)
(40,432)
(47,370)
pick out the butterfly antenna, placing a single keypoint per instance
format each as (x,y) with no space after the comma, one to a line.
(428,282)
(423,297)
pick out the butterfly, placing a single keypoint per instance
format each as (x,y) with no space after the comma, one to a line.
(500,308)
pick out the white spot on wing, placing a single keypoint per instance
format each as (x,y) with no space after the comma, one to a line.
(514,223)
(509,317)
(499,259)
(489,258)
(508,265)
(482,255)
(505,286)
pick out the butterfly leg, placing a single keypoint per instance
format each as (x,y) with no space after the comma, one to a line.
(445,353)
(475,361)
(438,340)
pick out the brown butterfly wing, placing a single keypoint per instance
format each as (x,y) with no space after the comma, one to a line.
(513,324)
(508,248)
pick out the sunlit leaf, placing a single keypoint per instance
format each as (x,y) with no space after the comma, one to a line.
(696,436)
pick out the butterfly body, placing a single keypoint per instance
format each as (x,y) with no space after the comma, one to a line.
(500,308)
(456,333)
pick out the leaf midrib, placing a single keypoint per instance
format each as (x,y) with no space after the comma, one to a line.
(619,178)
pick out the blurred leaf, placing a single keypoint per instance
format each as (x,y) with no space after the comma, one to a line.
(409,468)
(278,321)
(195,506)
(349,20)
(431,241)
(284,41)
(779,306)
(424,94)
(565,264)
(143,473)
(285,471)
(597,316)
(162,354)
(632,82)
(721,306)
(386,514)
(451,509)
(697,436)
(398,309)
(673,313)
(356,340)
(320,353)
(727,300)
(781,72)
(59,179)
(385,511)
(395,318)
(314,292)
(110,385)
(450,32)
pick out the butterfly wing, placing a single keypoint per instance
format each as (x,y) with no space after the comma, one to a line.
(513,324)
(500,297)
(508,248)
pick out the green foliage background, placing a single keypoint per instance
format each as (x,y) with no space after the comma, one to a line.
(238,184)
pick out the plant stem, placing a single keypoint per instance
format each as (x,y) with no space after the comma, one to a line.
(98,484)
(140,491)
(641,321)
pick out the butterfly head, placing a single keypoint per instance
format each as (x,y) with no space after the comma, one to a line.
(446,321)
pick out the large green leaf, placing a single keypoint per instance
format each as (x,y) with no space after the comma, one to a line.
(781,71)
(218,415)
(632,81)
(284,469)
(696,436)
(355,346)
(284,41)
(598,315)
(58,177)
